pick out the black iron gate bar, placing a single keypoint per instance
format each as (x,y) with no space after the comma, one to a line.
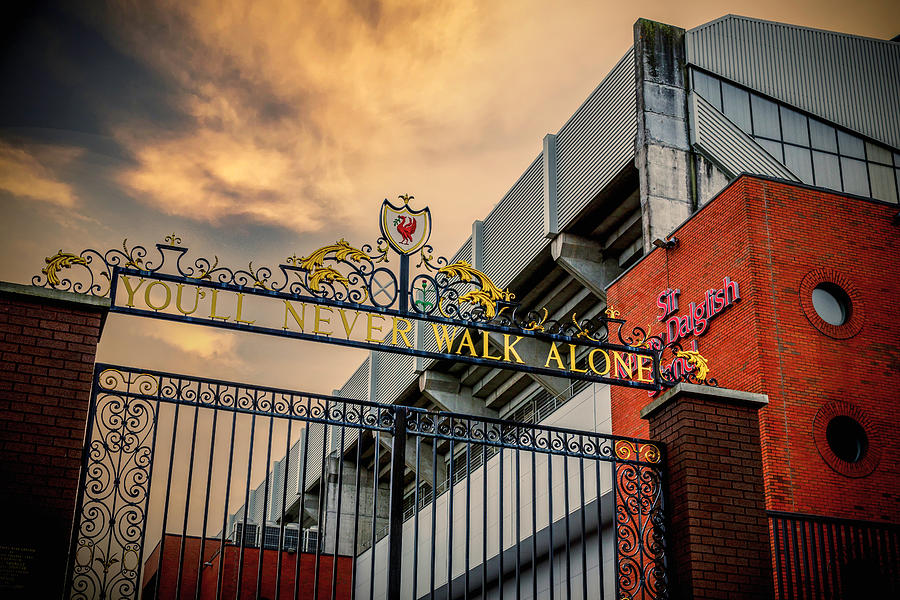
(122,437)
(630,344)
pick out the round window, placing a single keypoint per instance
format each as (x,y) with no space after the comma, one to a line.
(831,303)
(847,438)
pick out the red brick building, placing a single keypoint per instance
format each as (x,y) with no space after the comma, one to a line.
(219,572)
(763,268)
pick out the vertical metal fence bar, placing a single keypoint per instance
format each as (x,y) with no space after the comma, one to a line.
(450,516)
(566,511)
(263,527)
(187,503)
(550,516)
(584,586)
(484,506)
(468,504)
(416,506)
(377,439)
(304,468)
(518,509)
(798,579)
(614,490)
(355,548)
(534,528)
(599,529)
(162,541)
(813,547)
(281,523)
(434,443)
(140,569)
(209,470)
(500,516)
(823,559)
(640,512)
(337,512)
(323,494)
(220,573)
(395,506)
(240,569)
(777,544)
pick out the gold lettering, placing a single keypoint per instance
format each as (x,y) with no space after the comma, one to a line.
(466,340)
(593,366)
(623,366)
(486,350)
(147,296)
(445,340)
(572,366)
(370,328)
(641,370)
(131,291)
(402,332)
(212,308)
(348,328)
(319,320)
(554,355)
(240,305)
(289,310)
(200,294)
(510,349)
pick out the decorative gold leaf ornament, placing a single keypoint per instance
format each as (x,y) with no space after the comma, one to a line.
(612,313)
(314,264)
(487,296)
(696,360)
(60,260)
(535,325)
(582,332)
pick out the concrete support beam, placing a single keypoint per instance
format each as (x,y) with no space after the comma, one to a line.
(662,153)
(551,193)
(447,392)
(311,506)
(583,259)
(534,352)
(426,471)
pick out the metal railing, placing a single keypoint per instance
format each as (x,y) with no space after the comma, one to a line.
(551,511)
(822,558)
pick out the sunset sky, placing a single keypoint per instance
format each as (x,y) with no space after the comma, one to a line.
(261,129)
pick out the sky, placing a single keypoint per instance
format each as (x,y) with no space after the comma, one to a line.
(261,129)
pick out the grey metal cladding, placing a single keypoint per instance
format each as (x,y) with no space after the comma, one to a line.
(724,143)
(395,372)
(598,140)
(357,387)
(849,80)
(513,231)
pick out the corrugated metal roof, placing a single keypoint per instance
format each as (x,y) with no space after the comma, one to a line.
(598,140)
(850,80)
(513,231)
(724,143)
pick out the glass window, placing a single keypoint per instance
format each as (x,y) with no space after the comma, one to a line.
(828,172)
(856,180)
(799,162)
(878,153)
(823,136)
(793,127)
(882,179)
(847,439)
(773,148)
(736,106)
(708,87)
(850,145)
(765,117)
(831,303)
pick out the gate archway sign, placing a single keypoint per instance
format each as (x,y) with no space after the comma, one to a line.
(393,297)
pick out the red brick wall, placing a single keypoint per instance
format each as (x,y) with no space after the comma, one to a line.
(719,535)
(769,236)
(229,561)
(48,349)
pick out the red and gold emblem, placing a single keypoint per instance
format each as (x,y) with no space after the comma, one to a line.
(405,230)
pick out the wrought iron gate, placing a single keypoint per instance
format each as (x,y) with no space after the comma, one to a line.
(353,500)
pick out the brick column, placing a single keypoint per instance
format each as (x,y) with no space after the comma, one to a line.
(719,538)
(48,340)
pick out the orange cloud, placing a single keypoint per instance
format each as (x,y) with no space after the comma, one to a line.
(24,173)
